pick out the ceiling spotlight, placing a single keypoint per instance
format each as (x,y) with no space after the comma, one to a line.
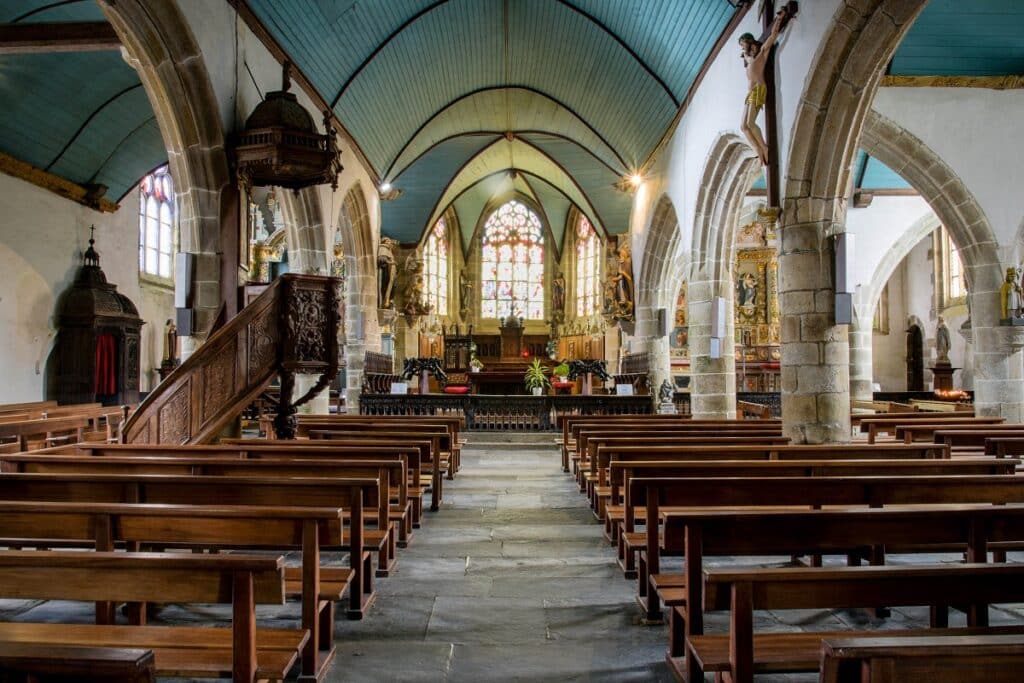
(388,192)
(636,180)
(385,187)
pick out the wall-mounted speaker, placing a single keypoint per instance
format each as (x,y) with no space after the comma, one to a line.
(717,317)
(662,327)
(184,270)
(844,242)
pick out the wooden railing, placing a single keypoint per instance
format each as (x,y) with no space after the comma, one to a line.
(290,328)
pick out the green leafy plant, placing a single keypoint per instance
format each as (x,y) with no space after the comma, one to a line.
(561,371)
(536,376)
(475,362)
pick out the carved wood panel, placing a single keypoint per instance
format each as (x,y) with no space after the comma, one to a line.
(175,425)
(219,381)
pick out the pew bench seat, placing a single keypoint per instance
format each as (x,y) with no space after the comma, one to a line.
(58,663)
(799,652)
(334,582)
(178,651)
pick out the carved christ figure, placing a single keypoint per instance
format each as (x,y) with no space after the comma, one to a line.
(755,59)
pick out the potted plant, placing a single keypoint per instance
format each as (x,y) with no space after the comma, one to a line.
(536,377)
(560,378)
(474,364)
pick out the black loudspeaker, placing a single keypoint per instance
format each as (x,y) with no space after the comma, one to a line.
(662,323)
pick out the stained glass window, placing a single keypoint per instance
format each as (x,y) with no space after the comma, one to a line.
(512,264)
(435,270)
(156,224)
(956,272)
(587,248)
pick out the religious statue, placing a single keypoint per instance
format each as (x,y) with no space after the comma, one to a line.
(387,270)
(755,59)
(621,286)
(1010,297)
(170,343)
(942,343)
(665,391)
(415,305)
(558,298)
(746,291)
(465,295)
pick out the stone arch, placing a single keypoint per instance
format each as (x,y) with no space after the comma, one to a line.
(362,330)
(304,226)
(837,95)
(729,172)
(160,46)
(661,274)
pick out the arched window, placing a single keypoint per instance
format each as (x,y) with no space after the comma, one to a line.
(587,247)
(156,224)
(435,270)
(512,264)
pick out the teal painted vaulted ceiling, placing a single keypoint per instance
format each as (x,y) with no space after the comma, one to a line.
(81,115)
(587,87)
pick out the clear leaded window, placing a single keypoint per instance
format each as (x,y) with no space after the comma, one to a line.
(587,248)
(435,270)
(512,264)
(156,224)
(955,272)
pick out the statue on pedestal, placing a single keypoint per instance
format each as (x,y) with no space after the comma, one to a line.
(618,304)
(1011,300)
(942,343)
(465,295)
(558,298)
(387,270)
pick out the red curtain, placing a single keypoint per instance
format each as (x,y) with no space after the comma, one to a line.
(106,382)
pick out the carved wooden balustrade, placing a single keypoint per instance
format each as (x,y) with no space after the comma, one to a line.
(290,328)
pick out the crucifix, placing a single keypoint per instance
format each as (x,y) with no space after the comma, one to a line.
(759,61)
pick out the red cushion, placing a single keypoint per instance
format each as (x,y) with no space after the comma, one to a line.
(456,390)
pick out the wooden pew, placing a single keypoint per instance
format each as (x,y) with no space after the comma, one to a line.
(49,430)
(973,440)
(259,449)
(242,652)
(918,431)
(1004,446)
(725,492)
(30,663)
(874,426)
(177,460)
(26,407)
(853,532)
(427,443)
(443,445)
(103,526)
(936,659)
(355,495)
(742,592)
(454,423)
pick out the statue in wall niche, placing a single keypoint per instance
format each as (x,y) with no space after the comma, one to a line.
(1011,300)
(666,391)
(415,305)
(387,272)
(942,342)
(465,295)
(755,59)
(558,298)
(621,281)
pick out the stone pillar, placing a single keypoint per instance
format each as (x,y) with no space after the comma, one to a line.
(362,332)
(815,351)
(646,337)
(861,362)
(998,362)
(712,380)
(319,404)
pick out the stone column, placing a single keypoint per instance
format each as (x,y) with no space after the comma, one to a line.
(646,337)
(861,362)
(998,363)
(712,380)
(815,351)
(319,404)
(362,332)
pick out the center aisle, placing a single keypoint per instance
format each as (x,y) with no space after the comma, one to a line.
(511,580)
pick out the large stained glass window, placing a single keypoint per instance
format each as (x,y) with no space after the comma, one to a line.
(435,270)
(156,224)
(512,264)
(587,248)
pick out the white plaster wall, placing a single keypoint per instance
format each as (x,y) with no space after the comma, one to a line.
(976,132)
(889,351)
(42,237)
(716,109)
(878,229)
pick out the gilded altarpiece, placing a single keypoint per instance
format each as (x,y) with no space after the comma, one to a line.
(756,319)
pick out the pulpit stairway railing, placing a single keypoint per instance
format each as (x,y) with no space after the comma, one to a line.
(290,328)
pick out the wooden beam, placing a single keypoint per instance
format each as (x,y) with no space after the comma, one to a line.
(55,183)
(990,82)
(58,37)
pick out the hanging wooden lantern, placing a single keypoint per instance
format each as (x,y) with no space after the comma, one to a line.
(281,146)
